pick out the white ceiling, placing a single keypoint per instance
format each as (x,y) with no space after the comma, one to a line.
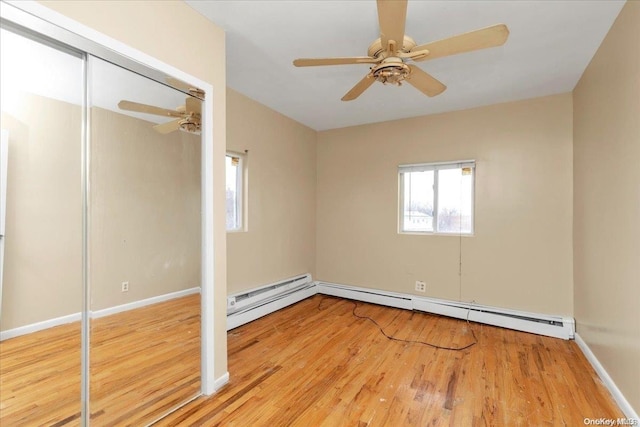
(550,45)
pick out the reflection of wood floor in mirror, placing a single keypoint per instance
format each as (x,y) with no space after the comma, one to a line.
(40,378)
(143,363)
(315,364)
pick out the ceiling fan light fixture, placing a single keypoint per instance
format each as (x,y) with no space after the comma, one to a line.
(391,72)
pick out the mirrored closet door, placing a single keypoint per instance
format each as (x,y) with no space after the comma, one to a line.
(41,92)
(101,236)
(144,246)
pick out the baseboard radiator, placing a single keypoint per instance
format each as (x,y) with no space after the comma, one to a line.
(553,326)
(246,306)
(255,303)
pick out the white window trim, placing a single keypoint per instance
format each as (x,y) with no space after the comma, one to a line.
(240,185)
(423,167)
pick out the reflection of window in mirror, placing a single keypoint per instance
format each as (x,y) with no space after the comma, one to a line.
(235,164)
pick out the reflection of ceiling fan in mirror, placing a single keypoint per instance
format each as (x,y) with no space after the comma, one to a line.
(185,87)
(389,54)
(187,117)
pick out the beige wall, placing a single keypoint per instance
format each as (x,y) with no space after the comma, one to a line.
(280,238)
(43,258)
(144,210)
(607,203)
(173,32)
(521,254)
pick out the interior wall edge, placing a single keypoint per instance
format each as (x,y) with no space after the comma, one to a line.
(609,383)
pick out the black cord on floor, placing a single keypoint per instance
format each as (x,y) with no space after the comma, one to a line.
(392,338)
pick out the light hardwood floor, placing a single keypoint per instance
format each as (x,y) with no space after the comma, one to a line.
(311,364)
(40,378)
(315,364)
(143,363)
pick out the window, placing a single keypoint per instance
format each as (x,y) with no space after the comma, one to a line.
(234,164)
(437,198)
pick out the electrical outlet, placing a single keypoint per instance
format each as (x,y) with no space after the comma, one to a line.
(125,286)
(421,286)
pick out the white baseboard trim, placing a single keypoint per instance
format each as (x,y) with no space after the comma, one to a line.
(142,303)
(541,324)
(39,326)
(220,382)
(76,317)
(622,402)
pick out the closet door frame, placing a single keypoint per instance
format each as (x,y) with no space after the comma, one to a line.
(50,24)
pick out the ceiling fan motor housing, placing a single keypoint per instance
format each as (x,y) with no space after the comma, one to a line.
(392,69)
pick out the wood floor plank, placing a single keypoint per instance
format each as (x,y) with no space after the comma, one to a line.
(311,364)
(335,369)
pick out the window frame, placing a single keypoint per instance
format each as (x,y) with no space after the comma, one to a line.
(240,191)
(435,167)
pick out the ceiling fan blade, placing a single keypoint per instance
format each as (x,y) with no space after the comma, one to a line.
(149,109)
(392,15)
(168,127)
(424,82)
(193,105)
(493,36)
(312,62)
(360,87)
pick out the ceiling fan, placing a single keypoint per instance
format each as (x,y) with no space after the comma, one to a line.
(187,117)
(389,54)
